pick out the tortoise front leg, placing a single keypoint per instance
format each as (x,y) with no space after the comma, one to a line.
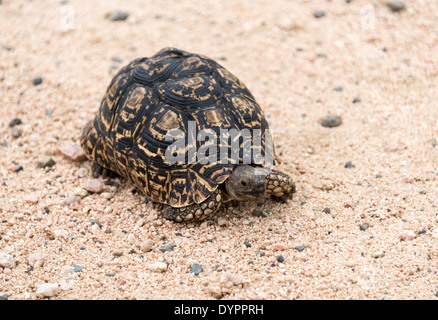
(197,211)
(279,185)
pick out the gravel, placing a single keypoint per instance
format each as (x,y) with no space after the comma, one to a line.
(37,81)
(14,122)
(349,165)
(48,290)
(168,248)
(331,121)
(16,132)
(318,14)
(76,268)
(46,161)
(396,6)
(118,15)
(197,269)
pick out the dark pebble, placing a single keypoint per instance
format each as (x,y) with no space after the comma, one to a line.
(18,168)
(261,213)
(356,100)
(75,269)
(421,231)
(349,165)
(197,269)
(14,122)
(46,161)
(326,210)
(338,88)
(364,226)
(260,253)
(331,121)
(37,81)
(396,6)
(247,244)
(299,248)
(318,14)
(280,258)
(168,248)
(178,234)
(118,15)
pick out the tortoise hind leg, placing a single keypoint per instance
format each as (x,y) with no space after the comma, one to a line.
(98,170)
(279,185)
(197,211)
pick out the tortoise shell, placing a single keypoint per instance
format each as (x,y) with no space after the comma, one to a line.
(173,91)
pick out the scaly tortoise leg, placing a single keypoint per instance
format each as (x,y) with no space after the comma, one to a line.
(279,185)
(197,211)
(98,170)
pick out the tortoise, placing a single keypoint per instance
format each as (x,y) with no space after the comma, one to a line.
(154,102)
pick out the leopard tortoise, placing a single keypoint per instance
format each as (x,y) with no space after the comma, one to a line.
(180,92)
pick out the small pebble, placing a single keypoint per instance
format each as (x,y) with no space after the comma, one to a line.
(364,226)
(421,231)
(318,14)
(247,244)
(75,269)
(118,15)
(7,260)
(71,199)
(46,161)
(168,248)
(326,210)
(93,185)
(158,267)
(299,248)
(408,235)
(261,213)
(331,121)
(72,151)
(349,165)
(379,254)
(323,185)
(356,100)
(31,198)
(338,88)
(396,6)
(260,253)
(197,269)
(16,132)
(18,168)
(280,258)
(146,245)
(14,122)
(47,290)
(37,81)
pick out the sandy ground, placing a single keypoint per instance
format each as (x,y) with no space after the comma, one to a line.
(109,245)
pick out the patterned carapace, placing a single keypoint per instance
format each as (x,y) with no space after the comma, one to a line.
(152,96)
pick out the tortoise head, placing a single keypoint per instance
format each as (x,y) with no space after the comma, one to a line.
(246,182)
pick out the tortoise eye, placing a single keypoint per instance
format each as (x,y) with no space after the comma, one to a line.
(243,183)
